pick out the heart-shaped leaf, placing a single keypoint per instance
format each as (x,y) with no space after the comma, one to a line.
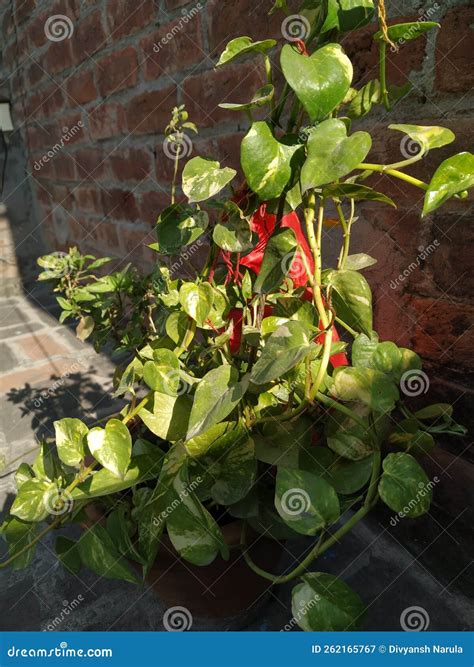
(427,136)
(98,553)
(70,440)
(332,154)
(19,535)
(359,261)
(353,14)
(261,97)
(242,45)
(282,351)
(167,416)
(305,502)
(34,501)
(197,300)
(365,98)
(162,374)
(277,260)
(111,446)
(352,298)
(404,485)
(233,234)
(320,81)
(453,176)
(371,387)
(265,161)
(216,396)
(347,437)
(178,226)
(324,603)
(204,178)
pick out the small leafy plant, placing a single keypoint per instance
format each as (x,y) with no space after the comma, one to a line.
(242,401)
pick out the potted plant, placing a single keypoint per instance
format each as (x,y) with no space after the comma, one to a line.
(247,420)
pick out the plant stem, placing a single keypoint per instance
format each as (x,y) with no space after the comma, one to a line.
(383,76)
(367,166)
(27,547)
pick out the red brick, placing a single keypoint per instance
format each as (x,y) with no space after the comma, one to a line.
(133,242)
(117,71)
(444,331)
(120,204)
(58,57)
(41,136)
(105,234)
(228,150)
(89,37)
(81,88)
(34,74)
(451,263)
(8,26)
(73,129)
(240,18)
(152,204)
(130,165)
(203,92)
(127,16)
(454,71)
(91,163)
(106,120)
(88,200)
(149,113)
(175,46)
(64,196)
(65,167)
(174,4)
(24,9)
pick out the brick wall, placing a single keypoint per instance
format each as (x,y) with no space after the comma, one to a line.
(108,88)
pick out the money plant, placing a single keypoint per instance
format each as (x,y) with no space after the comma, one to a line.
(240,398)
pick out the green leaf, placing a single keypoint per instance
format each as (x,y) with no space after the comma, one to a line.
(70,440)
(162,374)
(359,261)
(406,32)
(282,443)
(305,502)
(132,373)
(204,178)
(103,483)
(331,154)
(388,358)
(149,530)
(121,528)
(111,446)
(363,349)
(167,416)
(68,554)
(352,14)
(435,411)
(197,300)
(352,298)
(212,436)
(404,485)
(176,326)
(216,396)
(19,535)
(347,437)
(277,260)
(324,603)
(371,387)
(427,136)
(348,476)
(356,192)
(192,530)
(284,349)
(408,436)
(46,464)
(266,162)
(100,555)
(243,45)
(233,234)
(364,100)
(321,80)
(453,176)
(32,501)
(23,474)
(261,97)
(178,226)
(85,327)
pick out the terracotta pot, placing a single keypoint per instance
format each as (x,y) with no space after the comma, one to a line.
(223,589)
(227,590)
